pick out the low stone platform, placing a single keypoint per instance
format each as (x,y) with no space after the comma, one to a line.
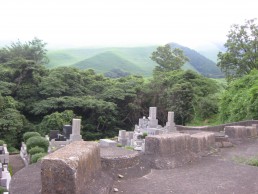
(120,161)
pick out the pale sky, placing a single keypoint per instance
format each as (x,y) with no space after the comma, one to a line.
(122,22)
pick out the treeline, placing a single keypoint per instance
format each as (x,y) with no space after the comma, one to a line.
(34,98)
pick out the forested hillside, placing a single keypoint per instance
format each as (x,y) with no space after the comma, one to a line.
(135,60)
(34,98)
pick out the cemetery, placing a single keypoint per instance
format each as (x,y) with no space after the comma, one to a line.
(97,167)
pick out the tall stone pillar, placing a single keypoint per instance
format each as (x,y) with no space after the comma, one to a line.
(170,125)
(76,130)
(153,121)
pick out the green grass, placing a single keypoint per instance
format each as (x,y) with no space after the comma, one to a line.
(252,161)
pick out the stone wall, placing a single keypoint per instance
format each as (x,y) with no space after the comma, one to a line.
(241,131)
(217,128)
(71,169)
(176,149)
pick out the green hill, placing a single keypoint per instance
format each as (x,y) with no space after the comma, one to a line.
(107,61)
(202,64)
(135,60)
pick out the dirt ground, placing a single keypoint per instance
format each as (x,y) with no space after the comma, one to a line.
(219,173)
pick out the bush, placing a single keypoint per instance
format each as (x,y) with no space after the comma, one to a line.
(37,141)
(2,190)
(2,142)
(36,157)
(13,150)
(28,135)
(36,150)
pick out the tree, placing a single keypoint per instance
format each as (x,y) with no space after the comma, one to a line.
(55,121)
(241,54)
(240,100)
(168,59)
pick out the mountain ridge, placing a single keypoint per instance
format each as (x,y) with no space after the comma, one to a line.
(137,57)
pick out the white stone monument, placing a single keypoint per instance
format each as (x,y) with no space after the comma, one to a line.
(153,121)
(122,139)
(76,130)
(170,125)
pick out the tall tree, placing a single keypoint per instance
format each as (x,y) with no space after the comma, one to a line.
(241,54)
(168,59)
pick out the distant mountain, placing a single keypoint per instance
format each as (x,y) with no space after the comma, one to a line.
(108,61)
(211,50)
(202,64)
(133,60)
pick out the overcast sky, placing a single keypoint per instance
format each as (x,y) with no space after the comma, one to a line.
(122,22)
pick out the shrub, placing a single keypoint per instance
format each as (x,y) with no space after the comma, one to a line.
(37,141)
(28,135)
(2,142)
(36,157)
(2,190)
(36,150)
(13,150)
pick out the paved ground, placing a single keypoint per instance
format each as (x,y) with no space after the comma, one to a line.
(218,173)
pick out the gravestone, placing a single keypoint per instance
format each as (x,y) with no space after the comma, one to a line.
(76,130)
(53,134)
(122,137)
(153,121)
(67,131)
(170,125)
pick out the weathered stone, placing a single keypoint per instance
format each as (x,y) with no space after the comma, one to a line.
(107,143)
(234,131)
(202,141)
(240,131)
(167,144)
(71,169)
(76,130)
(227,144)
(251,131)
(219,144)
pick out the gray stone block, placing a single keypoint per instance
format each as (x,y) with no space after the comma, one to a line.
(107,143)
(71,169)
(202,141)
(166,145)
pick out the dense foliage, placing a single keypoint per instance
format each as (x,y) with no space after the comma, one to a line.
(37,141)
(242,50)
(33,98)
(240,100)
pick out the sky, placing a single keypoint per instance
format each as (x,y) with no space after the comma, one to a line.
(96,23)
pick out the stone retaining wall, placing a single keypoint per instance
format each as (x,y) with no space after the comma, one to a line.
(217,128)
(176,149)
(71,169)
(240,131)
